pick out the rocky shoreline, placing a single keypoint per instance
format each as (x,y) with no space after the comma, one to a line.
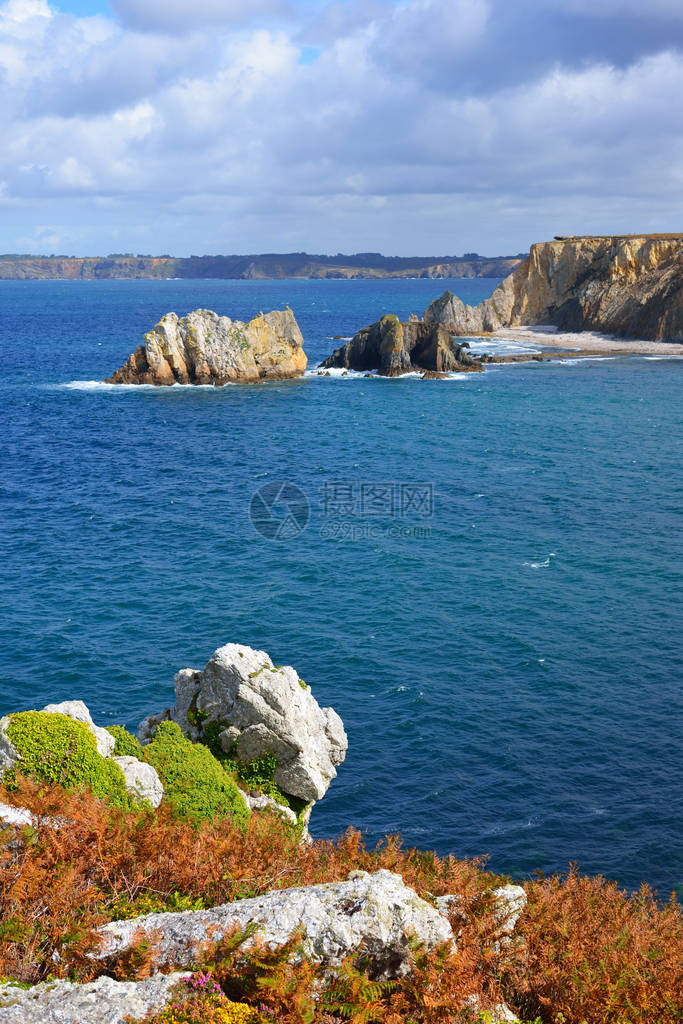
(618,287)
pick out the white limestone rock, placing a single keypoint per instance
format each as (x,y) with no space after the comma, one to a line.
(8,753)
(16,816)
(142,779)
(263,802)
(104,1001)
(372,914)
(500,1014)
(262,709)
(510,902)
(77,710)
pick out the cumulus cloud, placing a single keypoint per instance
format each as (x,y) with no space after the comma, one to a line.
(421,126)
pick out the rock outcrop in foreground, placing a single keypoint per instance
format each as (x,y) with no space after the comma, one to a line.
(259,708)
(369,914)
(629,286)
(393,348)
(205,348)
(104,1001)
(374,916)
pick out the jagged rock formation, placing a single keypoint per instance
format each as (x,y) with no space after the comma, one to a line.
(104,1001)
(261,709)
(630,286)
(204,348)
(369,914)
(393,348)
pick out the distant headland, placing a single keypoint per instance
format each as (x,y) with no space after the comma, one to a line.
(264,266)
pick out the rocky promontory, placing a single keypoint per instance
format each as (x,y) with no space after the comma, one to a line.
(394,347)
(205,348)
(628,286)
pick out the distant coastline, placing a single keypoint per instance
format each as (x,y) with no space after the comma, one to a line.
(265,266)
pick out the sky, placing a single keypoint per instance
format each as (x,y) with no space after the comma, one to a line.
(407,127)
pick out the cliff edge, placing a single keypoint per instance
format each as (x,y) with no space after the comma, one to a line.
(627,285)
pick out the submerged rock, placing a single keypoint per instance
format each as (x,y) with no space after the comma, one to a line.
(257,708)
(369,914)
(394,348)
(205,348)
(104,1001)
(631,286)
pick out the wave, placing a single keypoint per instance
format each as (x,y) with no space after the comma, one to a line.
(539,565)
(500,346)
(582,359)
(100,385)
(338,373)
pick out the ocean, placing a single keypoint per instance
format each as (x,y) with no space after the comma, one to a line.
(481,575)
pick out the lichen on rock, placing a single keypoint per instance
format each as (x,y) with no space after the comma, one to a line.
(374,915)
(104,1001)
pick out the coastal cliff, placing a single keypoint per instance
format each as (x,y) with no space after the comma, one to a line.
(204,348)
(263,266)
(629,286)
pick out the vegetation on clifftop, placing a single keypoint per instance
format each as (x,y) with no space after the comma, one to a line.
(594,953)
(196,785)
(57,750)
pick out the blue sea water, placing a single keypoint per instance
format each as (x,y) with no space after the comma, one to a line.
(505,649)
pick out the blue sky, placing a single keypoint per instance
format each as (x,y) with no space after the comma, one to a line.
(403,126)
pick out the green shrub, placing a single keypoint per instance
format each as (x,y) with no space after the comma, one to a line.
(123,909)
(56,749)
(126,744)
(195,783)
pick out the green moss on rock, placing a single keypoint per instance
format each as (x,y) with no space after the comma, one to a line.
(126,744)
(195,783)
(55,749)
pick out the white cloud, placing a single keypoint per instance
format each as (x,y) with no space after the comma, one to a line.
(386,136)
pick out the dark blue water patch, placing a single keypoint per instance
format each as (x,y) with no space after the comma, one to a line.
(508,668)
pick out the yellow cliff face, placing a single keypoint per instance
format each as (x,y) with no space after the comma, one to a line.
(631,286)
